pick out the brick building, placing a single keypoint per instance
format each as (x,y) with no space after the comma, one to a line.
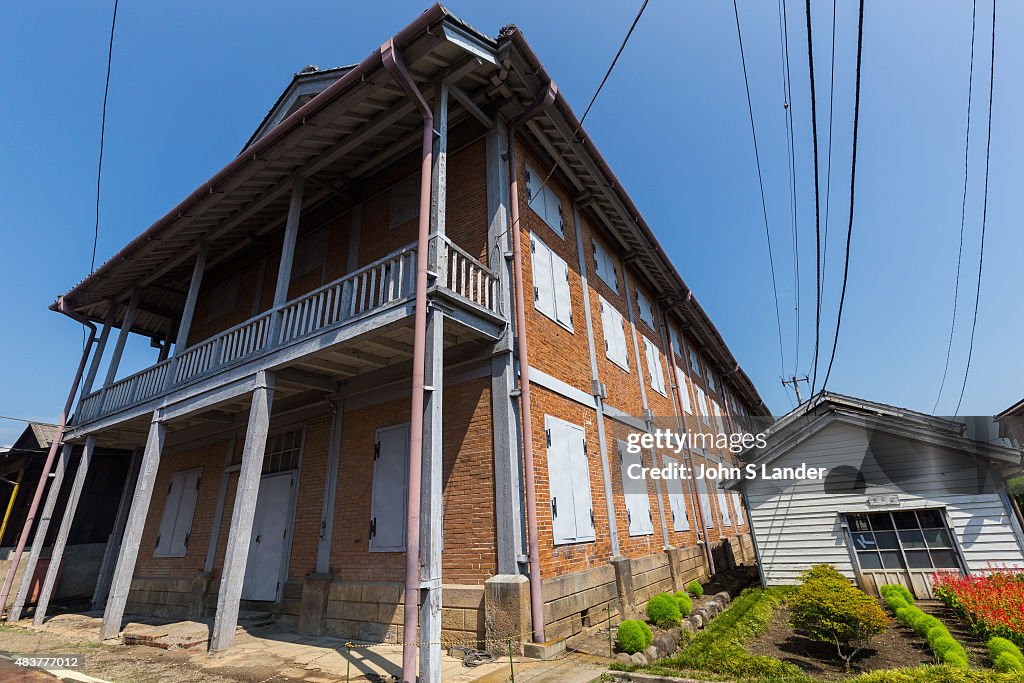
(342,296)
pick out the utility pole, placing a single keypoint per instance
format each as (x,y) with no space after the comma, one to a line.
(795,381)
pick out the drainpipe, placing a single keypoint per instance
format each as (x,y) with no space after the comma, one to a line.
(44,476)
(536,599)
(392,61)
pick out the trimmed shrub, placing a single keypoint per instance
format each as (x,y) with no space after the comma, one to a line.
(684,602)
(634,636)
(829,609)
(945,647)
(663,610)
(1006,656)
(935,674)
(897,589)
(695,589)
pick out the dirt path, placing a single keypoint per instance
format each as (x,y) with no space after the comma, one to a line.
(117,663)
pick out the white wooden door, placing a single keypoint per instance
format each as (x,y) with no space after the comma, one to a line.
(270,536)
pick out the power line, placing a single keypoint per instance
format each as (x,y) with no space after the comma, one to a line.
(760,184)
(984,210)
(791,151)
(817,206)
(828,167)
(963,207)
(103,134)
(853,186)
(21,419)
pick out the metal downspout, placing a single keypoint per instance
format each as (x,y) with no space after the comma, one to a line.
(536,599)
(393,63)
(44,476)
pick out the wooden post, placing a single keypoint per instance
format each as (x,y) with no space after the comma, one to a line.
(106,573)
(57,554)
(188,313)
(122,581)
(432,496)
(323,549)
(507,496)
(97,355)
(244,511)
(14,614)
(284,269)
(122,337)
(218,513)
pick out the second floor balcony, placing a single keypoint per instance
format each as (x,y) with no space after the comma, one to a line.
(374,302)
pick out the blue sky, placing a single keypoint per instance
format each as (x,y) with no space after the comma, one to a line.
(192,79)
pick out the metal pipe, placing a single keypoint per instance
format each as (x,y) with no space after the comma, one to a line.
(536,599)
(393,63)
(44,476)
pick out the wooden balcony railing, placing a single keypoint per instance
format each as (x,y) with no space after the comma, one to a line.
(463,274)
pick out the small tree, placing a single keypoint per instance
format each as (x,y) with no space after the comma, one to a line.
(827,608)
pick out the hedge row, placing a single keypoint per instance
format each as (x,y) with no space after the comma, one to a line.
(946,648)
(1006,656)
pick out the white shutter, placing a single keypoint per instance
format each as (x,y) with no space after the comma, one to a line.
(684,390)
(605,267)
(694,363)
(543,284)
(532,183)
(553,211)
(179,509)
(723,507)
(717,410)
(654,366)
(638,501)
(737,502)
(569,483)
(563,301)
(702,405)
(705,503)
(673,337)
(544,201)
(582,499)
(614,335)
(390,489)
(646,312)
(676,497)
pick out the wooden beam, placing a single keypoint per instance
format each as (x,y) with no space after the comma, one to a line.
(244,511)
(306,380)
(122,581)
(122,338)
(57,553)
(467,102)
(14,614)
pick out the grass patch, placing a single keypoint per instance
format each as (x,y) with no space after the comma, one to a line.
(718,649)
(936,674)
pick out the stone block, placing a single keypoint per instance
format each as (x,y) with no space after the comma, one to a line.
(506,612)
(313,603)
(624,585)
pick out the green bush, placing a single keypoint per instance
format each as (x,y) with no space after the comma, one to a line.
(695,589)
(663,610)
(634,636)
(823,571)
(897,589)
(935,674)
(684,602)
(945,647)
(1006,656)
(826,607)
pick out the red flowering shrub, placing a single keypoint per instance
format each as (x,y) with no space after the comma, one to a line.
(992,602)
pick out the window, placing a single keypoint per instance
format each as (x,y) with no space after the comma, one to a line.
(676,498)
(646,310)
(673,337)
(702,405)
(711,380)
(737,503)
(882,540)
(551,284)
(572,512)
(310,253)
(544,201)
(282,452)
(222,297)
(723,508)
(684,390)
(716,410)
(390,488)
(705,504)
(605,267)
(654,366)
(614,335)
(638,501)
(179,508)
(694,361)
(405,201)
